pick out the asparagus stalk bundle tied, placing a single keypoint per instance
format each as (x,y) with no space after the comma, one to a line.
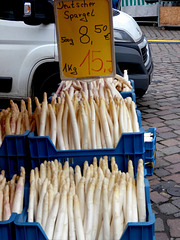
(95,202)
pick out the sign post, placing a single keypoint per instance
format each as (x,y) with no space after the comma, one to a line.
(85,38)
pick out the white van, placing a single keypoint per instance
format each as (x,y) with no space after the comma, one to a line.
(29,57)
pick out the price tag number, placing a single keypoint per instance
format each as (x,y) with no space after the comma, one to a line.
(83,31)
(92,62)
(84,36)
(102,28)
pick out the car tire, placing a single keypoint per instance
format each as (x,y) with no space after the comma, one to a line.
(46,80)
(140,93)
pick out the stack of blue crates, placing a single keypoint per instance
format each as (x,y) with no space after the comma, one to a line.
(30,151)
(150,152)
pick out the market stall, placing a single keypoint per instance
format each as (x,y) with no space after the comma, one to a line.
(139,8)
(169,13)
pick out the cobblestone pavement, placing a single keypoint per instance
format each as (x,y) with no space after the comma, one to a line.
(160,108)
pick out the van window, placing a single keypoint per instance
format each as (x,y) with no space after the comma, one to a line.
(12,10)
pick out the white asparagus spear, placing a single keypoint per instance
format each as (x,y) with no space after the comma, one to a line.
(134,202)
(65,226)
(121,118)
(117,211)
(6,204)
(96,209)
(64,126)
(37,114)
(131,169)
(141,200)
(115,122)
(135,123)
(78,220)
(72,235)
(53,124)
(1,204)
(12,189)
(45,210)
(93,123)
(124,114)
(101,232)
(31,201)
(85,127)
(123,192)
(58,231)
(40,203)
(98,134)
(55,181)
(73,122)
(128,114)
(18,197)
(80,191)
(104,123)
(106,217)
(77,174)
(129,201)
(43,119)
(49,228)
(110,123)
(80,125)
(42,172)
(60,138)
(47,127)
(88,113)
(51,195)
(89,205)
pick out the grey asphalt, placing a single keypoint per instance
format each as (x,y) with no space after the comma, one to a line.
(160,108)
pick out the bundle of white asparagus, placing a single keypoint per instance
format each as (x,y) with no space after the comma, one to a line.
(11,194)
(82,119)
(122,84)
(90,203)
(16,121)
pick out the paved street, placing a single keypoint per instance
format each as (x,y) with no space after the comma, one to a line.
(160,108)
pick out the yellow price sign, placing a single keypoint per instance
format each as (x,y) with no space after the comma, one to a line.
(85,38)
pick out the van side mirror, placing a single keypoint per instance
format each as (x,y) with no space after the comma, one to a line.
(38,11)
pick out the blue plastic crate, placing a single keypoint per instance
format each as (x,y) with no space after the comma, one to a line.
(132,84)
(14,154)
(130,146)
(129,94)
(7,228)
(145,230)
(139,117)
(150,145)
(133,231)
(150,152)
(150,164)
